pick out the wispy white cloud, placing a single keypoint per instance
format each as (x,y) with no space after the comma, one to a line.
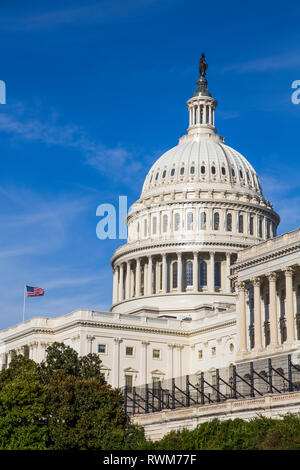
(116,161)
(264,64)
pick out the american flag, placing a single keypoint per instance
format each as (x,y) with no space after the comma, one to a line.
(34,291)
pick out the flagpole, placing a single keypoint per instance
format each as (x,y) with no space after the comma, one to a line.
(24,303)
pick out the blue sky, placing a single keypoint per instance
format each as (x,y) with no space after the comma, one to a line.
(96,92)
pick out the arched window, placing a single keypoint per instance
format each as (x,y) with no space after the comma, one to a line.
(273,229)
(177,222)
(151,178)
(182,170)
(154,225)
(164,174)
(233,172)
(192,170)
(216,221)
(223,170)
(241,223)
(156,177)
(229,222)
(138,229)
(189,221)
(213,170)
(174,275)
(173,172)
(203,274)
(203,169)
(189,273)
(217,275)
(241,174)
(251,219)
(145,228)
(202,220)
(165,223)
(247,174)
(201,114)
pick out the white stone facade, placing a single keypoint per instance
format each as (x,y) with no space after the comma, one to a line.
(193,236)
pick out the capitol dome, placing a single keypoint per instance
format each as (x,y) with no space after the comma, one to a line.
(201,203)
(200,163)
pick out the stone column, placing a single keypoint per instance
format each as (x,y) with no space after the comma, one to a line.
(138,278)
(241,311)
(128,271)
(289,312)
(164,273)
(115,285)
(121,280)
(179,272)
(257,315)
(144,362)
(170,362)
(150,291)
(211,279)
(227,281)
(116,363)
(195,272)
(273,309)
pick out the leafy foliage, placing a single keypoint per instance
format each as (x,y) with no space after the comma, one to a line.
(22,407)
(63,403)
(259,433)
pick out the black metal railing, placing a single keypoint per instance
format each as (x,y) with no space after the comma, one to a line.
(207,388)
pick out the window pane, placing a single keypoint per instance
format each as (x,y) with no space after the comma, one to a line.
(203,274)
(216,220)
(129,382)
(102,348)
(203,220)
(189,273)
(174,275)
(177,222)
(190,221)
(165,223)
(229,222)
(217,274)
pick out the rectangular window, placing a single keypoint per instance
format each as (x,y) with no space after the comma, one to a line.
(102,348)
(129,351)
(200,354)
(156,354)
(129,382)
(213,351)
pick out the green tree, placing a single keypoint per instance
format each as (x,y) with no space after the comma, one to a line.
(63,403)
(22,407)
(83,411)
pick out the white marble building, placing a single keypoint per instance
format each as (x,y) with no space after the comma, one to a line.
(200,215)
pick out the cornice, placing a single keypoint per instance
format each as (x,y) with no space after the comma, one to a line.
(125,250)
(255,260)
(123,327)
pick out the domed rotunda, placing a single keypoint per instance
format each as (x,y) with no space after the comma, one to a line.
(200,204)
